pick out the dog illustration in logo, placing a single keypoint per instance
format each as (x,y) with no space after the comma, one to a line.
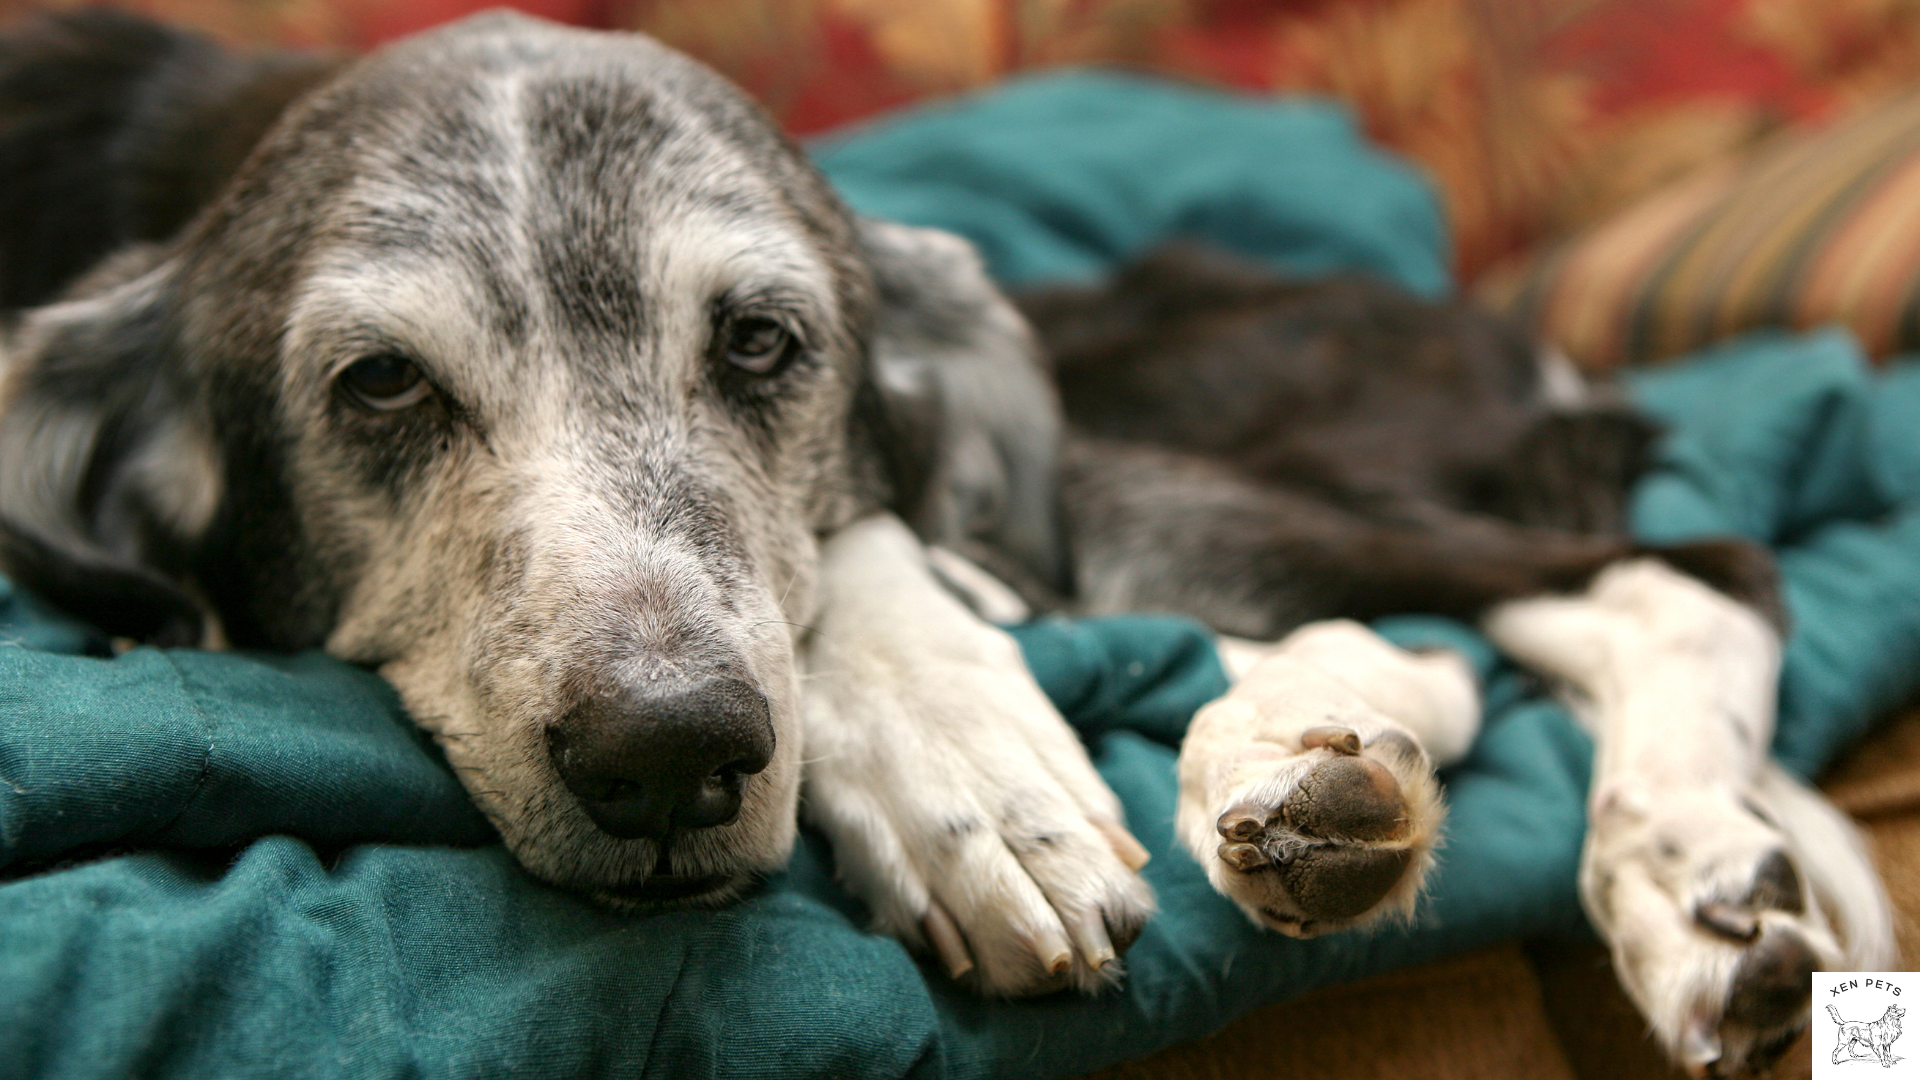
(1859,1039)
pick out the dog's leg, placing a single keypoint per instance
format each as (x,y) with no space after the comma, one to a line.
(1155,530)
(962,809)
(1716,878)
(1308,793)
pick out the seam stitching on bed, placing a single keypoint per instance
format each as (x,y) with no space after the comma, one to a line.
(206,755)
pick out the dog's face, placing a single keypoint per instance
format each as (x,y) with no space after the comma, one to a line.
(521,364)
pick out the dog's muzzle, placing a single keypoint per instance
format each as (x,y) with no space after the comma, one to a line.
(672,754)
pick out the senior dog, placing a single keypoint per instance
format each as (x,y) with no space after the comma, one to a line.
(532,368)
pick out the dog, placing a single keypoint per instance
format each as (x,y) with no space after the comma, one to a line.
(1276,457)
(1858,1039)
(532,368)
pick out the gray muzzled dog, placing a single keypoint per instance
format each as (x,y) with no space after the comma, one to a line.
(531,367)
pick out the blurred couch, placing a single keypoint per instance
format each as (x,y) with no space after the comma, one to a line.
(1535,117)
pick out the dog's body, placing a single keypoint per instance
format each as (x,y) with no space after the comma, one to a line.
(1860,1039)
(534,369)
(1431,460)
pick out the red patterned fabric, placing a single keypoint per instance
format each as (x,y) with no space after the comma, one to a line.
(1533,116)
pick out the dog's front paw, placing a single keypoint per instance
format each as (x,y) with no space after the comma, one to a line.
(1309,805)
(962,808)
(966,814)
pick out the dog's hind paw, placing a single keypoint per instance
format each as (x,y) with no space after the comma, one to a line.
(1306,792)
(1719,881)
(1714,933)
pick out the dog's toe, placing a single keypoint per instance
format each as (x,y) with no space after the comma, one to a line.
(1767,1006)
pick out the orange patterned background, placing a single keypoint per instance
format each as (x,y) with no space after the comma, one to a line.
(1533,116)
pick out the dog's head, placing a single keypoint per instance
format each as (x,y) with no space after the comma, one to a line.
(524,365)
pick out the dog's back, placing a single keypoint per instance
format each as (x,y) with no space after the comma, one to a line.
(1261,452)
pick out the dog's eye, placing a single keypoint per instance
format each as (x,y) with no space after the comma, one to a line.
(385,381)
(758,345)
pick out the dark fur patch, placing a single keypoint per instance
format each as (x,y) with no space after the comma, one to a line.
(114,130)
(1738,568)
(122,601)
(1260,452)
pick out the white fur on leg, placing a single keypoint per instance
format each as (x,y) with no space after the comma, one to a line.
(1697,867)
(1833,855)
(1306,793)
(962,808)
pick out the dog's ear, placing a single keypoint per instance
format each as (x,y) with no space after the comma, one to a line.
(108,478)
(960,408)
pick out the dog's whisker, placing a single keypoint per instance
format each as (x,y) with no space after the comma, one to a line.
(781,622)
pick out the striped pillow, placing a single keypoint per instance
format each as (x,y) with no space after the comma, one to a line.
(1814,227)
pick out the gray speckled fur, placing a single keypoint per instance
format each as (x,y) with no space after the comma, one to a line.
(551,223)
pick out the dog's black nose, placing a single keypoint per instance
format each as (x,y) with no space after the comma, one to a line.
(648,758)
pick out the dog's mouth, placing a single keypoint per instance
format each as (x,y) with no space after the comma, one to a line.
(671,889)
(663,889)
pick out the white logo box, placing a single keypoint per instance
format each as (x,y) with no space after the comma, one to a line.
(1874,1032)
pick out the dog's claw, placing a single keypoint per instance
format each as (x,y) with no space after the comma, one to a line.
(1699,1046)
(1243,822)
(1245,858)
(944,935)
(1050,947)
(1340,740)
(1089,933)
(1727,920)
(1129,850)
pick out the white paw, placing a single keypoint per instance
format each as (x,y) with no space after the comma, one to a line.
(1307,804)
(1716,879)
(1714,931)
(978,828)
(962,809)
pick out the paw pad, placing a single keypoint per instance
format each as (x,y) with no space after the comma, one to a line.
(1348,798)
(1330,882)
